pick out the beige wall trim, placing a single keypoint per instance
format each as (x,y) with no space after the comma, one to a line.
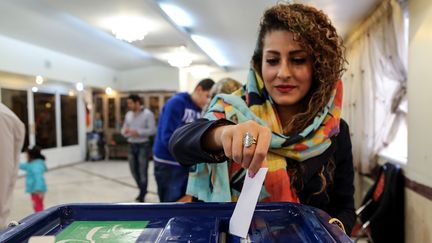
(421,189)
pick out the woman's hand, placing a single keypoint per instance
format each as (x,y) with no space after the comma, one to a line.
(231,139)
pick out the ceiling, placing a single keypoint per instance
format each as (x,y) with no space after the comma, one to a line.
(78,28)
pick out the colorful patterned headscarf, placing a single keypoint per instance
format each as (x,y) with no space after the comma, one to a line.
(222,182)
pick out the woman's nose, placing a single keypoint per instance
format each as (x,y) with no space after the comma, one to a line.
(284,71)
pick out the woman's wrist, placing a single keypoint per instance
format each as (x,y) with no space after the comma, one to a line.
(216,135)
(211,141)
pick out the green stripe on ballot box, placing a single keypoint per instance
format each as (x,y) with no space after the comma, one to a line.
(102,231)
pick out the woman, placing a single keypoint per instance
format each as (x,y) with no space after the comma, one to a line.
(286,118)
(223,86)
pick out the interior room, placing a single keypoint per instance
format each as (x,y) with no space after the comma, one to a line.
(69,68)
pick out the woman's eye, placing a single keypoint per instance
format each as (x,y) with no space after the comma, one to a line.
(272,61)
(299,60)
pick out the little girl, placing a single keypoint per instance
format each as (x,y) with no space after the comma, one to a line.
(35,181)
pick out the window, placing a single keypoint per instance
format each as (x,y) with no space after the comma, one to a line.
(123,108)
(154,106)
(45,120)
(16,100)
(99,114)
(69,120)
(166,98)
(111,113)
(397,149)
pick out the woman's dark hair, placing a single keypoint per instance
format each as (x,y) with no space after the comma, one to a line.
(35,153)
(314,31)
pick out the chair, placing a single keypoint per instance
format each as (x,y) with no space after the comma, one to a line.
(381,215)
(118,147)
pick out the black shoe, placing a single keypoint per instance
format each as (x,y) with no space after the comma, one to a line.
(139,199)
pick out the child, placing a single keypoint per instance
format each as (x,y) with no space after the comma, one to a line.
(35,181)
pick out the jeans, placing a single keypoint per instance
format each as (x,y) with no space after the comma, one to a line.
(171,181)
(138,164)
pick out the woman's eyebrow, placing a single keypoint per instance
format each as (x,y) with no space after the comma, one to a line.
(293,52)
(300,51)
(272,52)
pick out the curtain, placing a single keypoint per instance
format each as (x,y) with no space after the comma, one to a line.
(375,82)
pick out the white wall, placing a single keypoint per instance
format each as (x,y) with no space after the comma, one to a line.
(23,58)
(188,81)
(60,155)
(148,78)
(26,59)
(239,75)
(419,166)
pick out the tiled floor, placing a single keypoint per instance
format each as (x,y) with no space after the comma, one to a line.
(99,181)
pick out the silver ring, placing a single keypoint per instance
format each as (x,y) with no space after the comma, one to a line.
(248,140)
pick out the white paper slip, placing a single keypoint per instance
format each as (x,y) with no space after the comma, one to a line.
(242,216)
(42,239)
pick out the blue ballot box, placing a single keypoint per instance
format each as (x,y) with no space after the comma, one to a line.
(174,222)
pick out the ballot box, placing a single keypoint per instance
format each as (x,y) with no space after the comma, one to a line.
(174,222)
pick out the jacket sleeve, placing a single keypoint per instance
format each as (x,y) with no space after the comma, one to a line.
(170,119)
(23,166)
(341,203)
(185,143)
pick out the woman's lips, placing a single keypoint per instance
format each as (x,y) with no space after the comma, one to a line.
(285,88)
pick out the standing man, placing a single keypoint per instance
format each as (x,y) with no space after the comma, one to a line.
(11,142)
(138,127)
(171,177)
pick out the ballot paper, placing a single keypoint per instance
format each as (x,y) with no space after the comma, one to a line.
(242,216)
(42,239)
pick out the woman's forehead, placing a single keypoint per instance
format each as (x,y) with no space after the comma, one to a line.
(281,39)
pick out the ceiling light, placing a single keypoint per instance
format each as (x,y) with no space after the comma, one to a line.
(180,58)
(71,93)
(79,86)
(129,28)
(210,48)
(34,89)
(39,80)
(109,91)
(200,71)
(176,14)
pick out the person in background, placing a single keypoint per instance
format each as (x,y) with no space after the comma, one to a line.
(11,142)
(139,125)
(171,177)
(286,118)
(35,169)
(225,86)
(98,123)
